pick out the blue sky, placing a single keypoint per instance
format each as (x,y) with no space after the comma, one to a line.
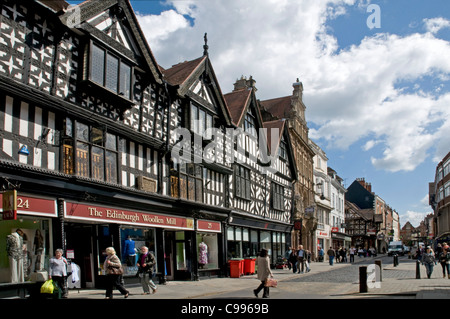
(377,98)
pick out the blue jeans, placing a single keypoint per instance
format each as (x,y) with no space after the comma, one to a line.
(429,267)
(331,260)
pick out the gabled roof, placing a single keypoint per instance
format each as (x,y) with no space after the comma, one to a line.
(280,107)
(238,102)
(92,8)
(183,75)
(180,73)
(366,214)
(283,132)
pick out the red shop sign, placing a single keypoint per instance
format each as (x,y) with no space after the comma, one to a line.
(209,226)
(115,215)
(30,205)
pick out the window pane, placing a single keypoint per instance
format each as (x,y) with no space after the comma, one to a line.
(202,121)
(125,80)
(112,68)
(82,132)
(111,142)
(97,136)
(98,64)
(194,119)
(111,167)
(82,159)
(97,163)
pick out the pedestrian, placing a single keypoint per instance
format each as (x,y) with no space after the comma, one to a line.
(301,257)
(58,272)
(444,260)
(264,272)
(321,254)
(352,254)
(287,256)
(308,261)
(429,261)
(293,260)
(114,271)
(344,254)
(146,268)
(331,254)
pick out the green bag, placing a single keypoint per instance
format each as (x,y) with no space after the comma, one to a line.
(47,287)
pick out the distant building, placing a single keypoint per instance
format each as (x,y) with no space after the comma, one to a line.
(439,200)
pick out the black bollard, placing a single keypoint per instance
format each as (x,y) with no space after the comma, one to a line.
(362,279)
(378,263)
(418,269)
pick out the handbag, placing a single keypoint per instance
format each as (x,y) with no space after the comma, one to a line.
(270,282)
(115,270)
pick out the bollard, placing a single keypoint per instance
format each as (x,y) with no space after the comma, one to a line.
(418,269)
(378,263)
(395,260)
(362,279)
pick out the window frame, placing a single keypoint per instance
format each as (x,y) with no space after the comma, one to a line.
(242,182)
(277,201)
(73,142)
(121,61)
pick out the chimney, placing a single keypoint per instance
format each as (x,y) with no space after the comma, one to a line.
(243,83)
(367,186)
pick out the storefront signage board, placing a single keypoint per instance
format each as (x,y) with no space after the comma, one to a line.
(29,205)
(114,215)
(209,226)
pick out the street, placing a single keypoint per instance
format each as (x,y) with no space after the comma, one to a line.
(340,281)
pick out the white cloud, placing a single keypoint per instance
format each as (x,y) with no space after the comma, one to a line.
(350,95)
(434,25)
(413,217)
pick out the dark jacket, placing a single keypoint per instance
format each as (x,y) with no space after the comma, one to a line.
(149,260)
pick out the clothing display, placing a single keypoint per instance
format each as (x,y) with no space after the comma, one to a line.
(14,249)
(130,252)
(203,253)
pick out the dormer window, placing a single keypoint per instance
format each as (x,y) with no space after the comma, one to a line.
(110,71)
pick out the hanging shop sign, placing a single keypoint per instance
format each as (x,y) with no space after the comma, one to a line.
(209,226)
(29,205)
(85,212)
(9,205)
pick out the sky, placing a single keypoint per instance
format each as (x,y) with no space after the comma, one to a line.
(376,76)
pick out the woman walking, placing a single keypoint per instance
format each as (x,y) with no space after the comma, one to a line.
(264,272)
(113,268)
(444,259)
(429,261)
(58,271)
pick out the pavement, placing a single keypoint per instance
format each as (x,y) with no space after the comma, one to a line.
(397,282)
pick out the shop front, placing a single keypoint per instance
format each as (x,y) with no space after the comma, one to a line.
(323,241)
(246,238)
(169,238)
(209,247)
(27,240)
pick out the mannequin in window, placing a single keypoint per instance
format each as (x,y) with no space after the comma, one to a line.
(14,249)
(130,252)
(202,254)
(38,248)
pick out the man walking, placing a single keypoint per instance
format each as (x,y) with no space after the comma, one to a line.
(301,256)
(331,254)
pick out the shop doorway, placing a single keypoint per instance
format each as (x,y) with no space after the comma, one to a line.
(177,255)
(79,242)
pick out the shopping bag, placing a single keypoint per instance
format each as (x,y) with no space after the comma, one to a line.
(270,282)
(47,287)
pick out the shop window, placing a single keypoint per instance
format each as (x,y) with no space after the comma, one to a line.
(27,249)
(242,182)
(207,251)
(132,240)
(89,152)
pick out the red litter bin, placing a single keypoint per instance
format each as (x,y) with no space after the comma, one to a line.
(235,268)
(249,266)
